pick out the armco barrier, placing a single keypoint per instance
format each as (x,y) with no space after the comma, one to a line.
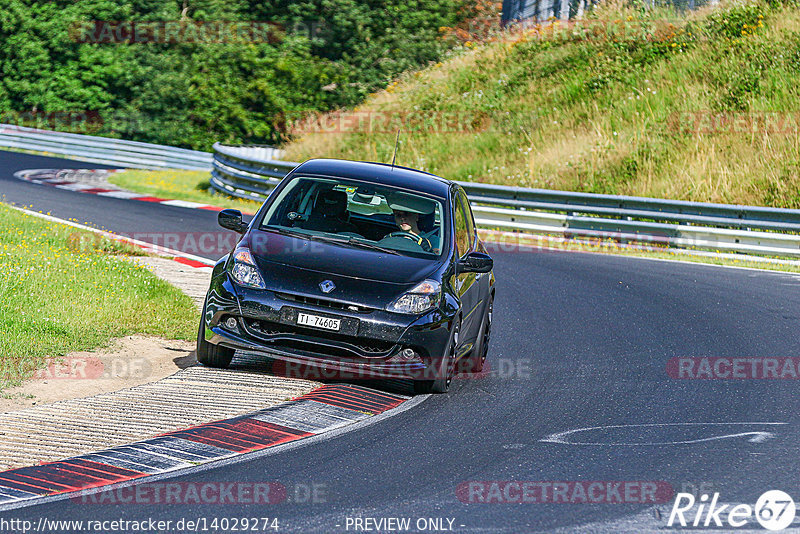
(252,172)
(115,152)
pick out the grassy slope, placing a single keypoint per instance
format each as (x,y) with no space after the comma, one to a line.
(180,185)
(608,114)
(64,290)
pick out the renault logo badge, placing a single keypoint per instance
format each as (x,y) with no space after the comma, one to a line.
(327,286)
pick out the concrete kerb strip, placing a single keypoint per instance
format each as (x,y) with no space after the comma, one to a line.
(329,408)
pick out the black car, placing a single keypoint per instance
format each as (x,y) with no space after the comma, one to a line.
(369,269)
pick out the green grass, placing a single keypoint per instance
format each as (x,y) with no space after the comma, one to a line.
(65,290)
(612,114)
(179,185)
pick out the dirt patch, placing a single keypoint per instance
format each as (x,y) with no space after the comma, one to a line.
(127,362)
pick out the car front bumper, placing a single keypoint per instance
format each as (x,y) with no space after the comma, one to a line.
(371,343)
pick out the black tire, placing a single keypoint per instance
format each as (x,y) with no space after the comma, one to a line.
(477,357)
(209,354)
(446,369)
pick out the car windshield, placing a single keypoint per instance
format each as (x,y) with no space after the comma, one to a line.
(357,214)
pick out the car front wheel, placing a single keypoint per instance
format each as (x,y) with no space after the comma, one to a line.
(209,354)
(446,367)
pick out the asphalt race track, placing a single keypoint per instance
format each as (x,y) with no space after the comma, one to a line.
(580,341)
(104,212)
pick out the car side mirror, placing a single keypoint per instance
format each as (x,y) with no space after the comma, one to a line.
(232,220)
(475,262)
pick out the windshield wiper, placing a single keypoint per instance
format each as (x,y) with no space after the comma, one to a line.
(372,246)
(351,241)
(288,232)
(354,242)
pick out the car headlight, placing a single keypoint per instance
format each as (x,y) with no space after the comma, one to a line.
(421,298)
(244,271)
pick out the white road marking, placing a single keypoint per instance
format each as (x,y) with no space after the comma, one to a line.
(120,194)
(755,436)
(182,203)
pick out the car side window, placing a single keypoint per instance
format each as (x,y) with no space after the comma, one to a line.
(462,230)
(464,201)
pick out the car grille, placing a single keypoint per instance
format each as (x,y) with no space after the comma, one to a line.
(325,303)
(364,347)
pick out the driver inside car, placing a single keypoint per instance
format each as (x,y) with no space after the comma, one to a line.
(407,212)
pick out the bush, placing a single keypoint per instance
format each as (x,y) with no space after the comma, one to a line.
(328,54)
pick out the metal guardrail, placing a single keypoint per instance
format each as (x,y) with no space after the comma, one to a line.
(245,173)
(115,152)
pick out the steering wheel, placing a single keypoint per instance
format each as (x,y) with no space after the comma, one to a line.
(418,240)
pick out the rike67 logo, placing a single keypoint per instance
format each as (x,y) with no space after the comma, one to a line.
(774,510)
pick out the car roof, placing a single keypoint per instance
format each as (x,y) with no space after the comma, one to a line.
(379,173)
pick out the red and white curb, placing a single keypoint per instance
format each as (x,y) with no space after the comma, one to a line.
(322,410)
(79,180)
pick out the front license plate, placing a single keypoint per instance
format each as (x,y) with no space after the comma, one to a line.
(315,321)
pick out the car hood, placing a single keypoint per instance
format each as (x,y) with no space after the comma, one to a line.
(361,276)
